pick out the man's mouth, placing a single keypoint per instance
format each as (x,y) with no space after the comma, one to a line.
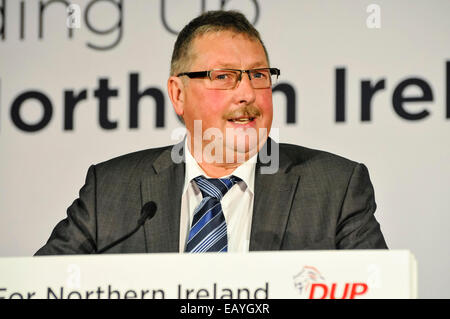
(242,120)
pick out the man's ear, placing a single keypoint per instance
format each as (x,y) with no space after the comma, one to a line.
(176,90)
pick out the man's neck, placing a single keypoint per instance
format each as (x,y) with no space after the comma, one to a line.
(216,170)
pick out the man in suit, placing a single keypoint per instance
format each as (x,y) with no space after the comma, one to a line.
(217,190)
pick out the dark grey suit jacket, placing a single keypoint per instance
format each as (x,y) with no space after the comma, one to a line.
(316,200)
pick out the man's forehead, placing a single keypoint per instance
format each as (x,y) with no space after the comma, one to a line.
(222,34)
(204,44)
(254,65)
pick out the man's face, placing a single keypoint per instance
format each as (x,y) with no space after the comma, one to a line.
(235,111)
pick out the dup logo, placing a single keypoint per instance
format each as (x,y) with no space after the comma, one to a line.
(311,284)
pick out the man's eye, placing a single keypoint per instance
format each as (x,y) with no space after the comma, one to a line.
(222,76)
(259,75)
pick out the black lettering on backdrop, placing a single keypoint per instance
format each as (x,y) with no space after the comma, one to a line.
(340,94)
(52,295)
(135,97)
(398,99)
(22,20)
(70,101)
(118,25)
(291,103)
(43,7)
(223,4)
(3,15)
(447,94)
(103,93)
(17,104)
(367,93)
(0,102)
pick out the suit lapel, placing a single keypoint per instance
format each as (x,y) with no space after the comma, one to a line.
(163,184)
(164,187)
(274,194)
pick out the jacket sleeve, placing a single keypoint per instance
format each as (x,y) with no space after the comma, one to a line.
(76,234)
(357,227)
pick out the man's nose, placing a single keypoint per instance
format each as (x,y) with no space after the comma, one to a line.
(244,89)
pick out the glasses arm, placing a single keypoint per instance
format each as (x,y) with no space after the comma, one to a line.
(202,74)
(193,75)
(275,71)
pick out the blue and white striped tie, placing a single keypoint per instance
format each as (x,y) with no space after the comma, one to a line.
(209,228)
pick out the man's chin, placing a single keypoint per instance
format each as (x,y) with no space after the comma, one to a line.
(240,153)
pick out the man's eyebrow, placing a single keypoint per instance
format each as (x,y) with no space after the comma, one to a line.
(261,64)
(254,65)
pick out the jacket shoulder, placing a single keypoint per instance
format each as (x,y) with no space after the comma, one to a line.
(129,162)
(302,158)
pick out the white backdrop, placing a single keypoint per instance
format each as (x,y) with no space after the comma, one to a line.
(389,43)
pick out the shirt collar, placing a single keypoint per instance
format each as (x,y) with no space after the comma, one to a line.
(246,171)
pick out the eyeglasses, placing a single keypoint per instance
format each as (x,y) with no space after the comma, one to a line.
(227,79)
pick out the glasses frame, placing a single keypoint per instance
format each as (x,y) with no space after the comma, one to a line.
(203,74)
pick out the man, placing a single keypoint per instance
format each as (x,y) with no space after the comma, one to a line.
(219,197)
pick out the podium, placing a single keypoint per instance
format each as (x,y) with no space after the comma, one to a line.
(344,274)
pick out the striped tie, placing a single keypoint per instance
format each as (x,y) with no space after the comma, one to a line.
(209,229)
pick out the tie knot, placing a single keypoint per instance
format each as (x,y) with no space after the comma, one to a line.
(215,187)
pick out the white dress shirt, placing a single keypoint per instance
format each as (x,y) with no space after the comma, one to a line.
(237,204)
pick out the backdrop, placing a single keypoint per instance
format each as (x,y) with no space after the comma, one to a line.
(367,80)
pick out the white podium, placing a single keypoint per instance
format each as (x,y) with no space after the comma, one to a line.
(286,274)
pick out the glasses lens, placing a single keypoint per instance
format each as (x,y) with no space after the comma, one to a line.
(224,79)
(227,79)
(262,78)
